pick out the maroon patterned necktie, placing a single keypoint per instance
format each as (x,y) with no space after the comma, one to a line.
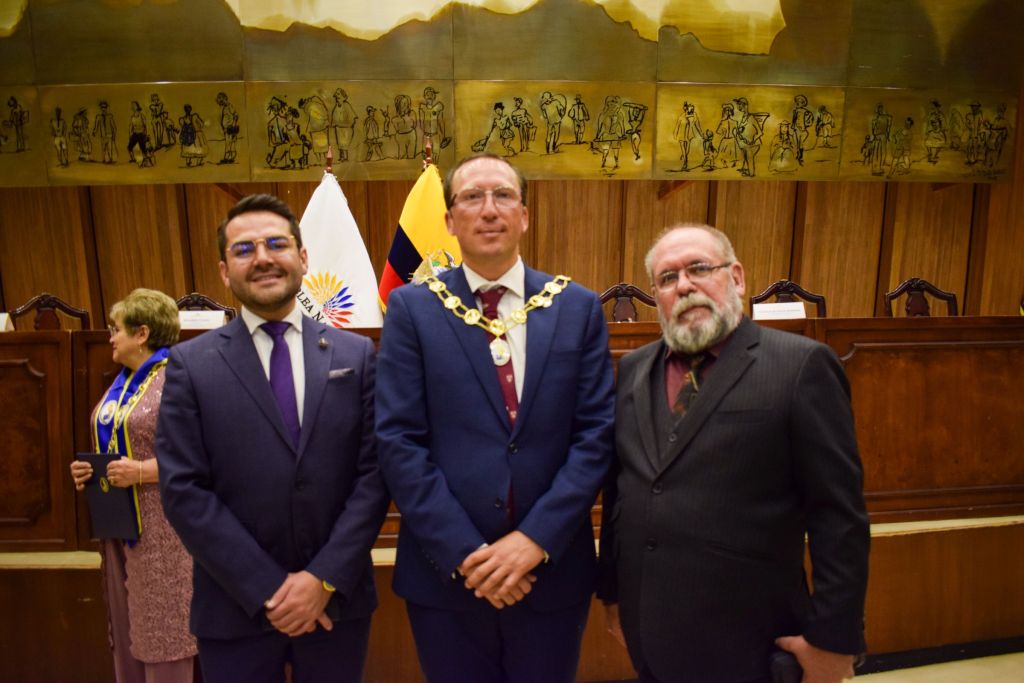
(691,384)
(506,374)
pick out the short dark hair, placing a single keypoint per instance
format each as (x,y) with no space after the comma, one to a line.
(251,204)
(450,175)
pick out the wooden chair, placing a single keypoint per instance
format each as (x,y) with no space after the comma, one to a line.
(200,302)
(917,305)
(624,294)
(46,306)
(786,291)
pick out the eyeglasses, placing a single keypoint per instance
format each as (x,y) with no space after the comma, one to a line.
(695,272)
(474,197)
(245,249)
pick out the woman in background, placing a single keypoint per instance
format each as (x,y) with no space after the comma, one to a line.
(147,583)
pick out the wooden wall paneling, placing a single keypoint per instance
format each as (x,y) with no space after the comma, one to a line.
(938,587)
(577,229)
(36,513)
(931,233)
(996,285)
(44,247)
(758,218)
(650,206)
(139,239)
(54,627)
(836,248)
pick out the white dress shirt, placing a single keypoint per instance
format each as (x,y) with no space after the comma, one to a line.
(514,280)
(264,344)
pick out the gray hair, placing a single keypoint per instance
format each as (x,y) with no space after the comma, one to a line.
(724,245)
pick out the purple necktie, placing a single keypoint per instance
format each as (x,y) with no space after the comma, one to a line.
(506,375)
(281,381)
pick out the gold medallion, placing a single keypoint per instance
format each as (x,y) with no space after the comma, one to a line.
(452,302)
(497,327)
(500,352)
(553,287)
(518,316)
(436,286)
(472,317)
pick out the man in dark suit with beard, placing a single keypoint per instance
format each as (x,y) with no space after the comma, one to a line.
(733,441)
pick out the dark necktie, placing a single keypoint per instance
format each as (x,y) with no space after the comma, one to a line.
(691,384)
(282,383)
(506,375)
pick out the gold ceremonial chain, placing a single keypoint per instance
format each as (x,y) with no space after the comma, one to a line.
(497,326)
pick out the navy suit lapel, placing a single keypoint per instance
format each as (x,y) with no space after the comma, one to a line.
(540,332)
(643,411)
(317,359)
(474,342)
(735,359)
(240,355)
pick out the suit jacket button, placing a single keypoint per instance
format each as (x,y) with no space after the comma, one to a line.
(672,437)
(652,543)
(657,488)
(512,448)
(499,503)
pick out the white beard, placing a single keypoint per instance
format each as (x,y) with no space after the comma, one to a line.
(702,335)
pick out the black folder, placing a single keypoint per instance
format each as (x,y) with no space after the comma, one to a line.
(111,509)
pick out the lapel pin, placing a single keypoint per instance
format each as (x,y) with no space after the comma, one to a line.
(323,343)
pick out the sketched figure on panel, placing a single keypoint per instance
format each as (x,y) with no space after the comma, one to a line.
(688,133)
(138,138)
(726,132)
(16,120)
(192,138)
(343,123)
(523,122)
(277,141)
(579,116)
(81,135)
(974,125)
(229,126)
(403,126)
(59,131)
(802,122)
(877,146)
(995,137)
(317,125)
(372,135)
(824,127)
(635,114)
(552,108)
(901,143)
(784,151)
(160,120)
(610,131)
(749,132)
(503,125)
(432,117)
(105,129)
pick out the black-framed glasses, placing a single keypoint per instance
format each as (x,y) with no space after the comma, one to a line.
(695,272)
(244,249)
(474,197)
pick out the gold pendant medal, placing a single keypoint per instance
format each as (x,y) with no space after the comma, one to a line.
(501,354)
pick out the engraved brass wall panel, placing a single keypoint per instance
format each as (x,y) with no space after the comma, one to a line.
(23,141)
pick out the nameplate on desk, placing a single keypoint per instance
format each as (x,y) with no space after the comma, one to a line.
(786,310)
(201,320)
(6,324)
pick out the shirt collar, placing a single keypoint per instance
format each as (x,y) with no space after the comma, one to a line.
(253,321)
(514,279)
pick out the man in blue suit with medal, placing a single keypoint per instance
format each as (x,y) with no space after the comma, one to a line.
(494,421)
(268,469)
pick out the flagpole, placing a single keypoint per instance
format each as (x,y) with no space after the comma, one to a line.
(428,151)
(329,160)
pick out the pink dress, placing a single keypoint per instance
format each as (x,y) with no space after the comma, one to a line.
(159,569)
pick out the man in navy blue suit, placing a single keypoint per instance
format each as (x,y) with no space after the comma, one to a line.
(494,421)
(268,469)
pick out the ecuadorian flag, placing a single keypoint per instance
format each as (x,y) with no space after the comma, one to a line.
(421,234)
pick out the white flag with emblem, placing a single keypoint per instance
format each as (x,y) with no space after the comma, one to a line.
(340,288)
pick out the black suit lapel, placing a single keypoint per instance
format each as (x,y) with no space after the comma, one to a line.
(640,394)
(240,355)
(474,342)
(736,357)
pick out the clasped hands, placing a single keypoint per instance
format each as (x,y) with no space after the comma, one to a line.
(121,473)
(298,605)
(500,572)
